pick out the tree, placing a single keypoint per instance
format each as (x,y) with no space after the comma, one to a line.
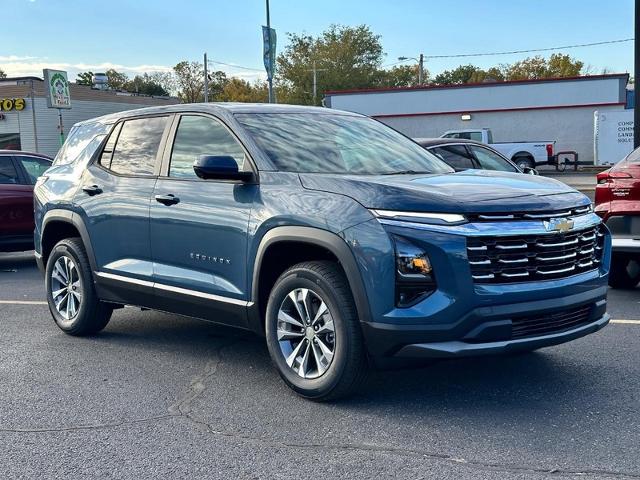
(190,81)
(558,65)
(401,76)
(459,75)
(2,74)
(85,78)
(217,82)
(346,57)
(145,85)
(115,79)
(239,90)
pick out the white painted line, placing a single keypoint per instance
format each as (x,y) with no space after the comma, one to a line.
(626,322)
(22,302)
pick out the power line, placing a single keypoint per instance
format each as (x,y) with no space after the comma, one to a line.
(512,52)
(236,66)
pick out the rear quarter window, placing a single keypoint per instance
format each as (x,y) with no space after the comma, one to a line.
(80,137)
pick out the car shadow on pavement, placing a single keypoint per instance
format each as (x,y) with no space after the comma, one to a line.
(16,261)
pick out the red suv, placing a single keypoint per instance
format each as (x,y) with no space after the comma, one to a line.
(18,174)
(618,203)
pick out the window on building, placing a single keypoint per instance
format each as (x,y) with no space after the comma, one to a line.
(34,166)
(8,173)
(10,141)
(137,146)
(456,156)
(196,136)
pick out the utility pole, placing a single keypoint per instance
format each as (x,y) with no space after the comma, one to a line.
(206,80)
(315,80)
(636,77)
(269,78)
(421,68)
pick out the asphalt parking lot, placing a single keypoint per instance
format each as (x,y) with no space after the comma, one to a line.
(160,396)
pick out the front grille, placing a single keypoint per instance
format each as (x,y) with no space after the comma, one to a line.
(544,215)
(555,322)
(526,258)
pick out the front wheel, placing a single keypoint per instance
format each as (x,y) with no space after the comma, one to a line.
(71,295)
(313,332)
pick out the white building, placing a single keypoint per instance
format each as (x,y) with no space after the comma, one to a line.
(27,124)
(529,110)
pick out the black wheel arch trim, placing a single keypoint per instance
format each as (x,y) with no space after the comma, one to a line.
(73,219)
(317,237)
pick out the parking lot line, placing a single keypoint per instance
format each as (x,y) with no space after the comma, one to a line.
(22,302)
(627,322)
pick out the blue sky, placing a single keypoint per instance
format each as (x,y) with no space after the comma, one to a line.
(147,35)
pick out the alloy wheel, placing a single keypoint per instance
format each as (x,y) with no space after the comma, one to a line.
(306,333)
(66,287)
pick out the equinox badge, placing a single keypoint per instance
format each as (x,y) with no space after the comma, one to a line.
(561,225)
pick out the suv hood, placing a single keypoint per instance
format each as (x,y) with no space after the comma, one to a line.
(470,191)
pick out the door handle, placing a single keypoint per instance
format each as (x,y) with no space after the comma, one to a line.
(169,199)
(91,189)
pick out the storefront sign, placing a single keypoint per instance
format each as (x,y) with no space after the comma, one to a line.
(9,104)
(57,85)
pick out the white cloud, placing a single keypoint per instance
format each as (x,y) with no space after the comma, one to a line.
(15,66)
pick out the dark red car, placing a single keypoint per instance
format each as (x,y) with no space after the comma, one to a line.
(618,203)
(18,173)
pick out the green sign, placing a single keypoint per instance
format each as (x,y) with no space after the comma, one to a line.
(58,94)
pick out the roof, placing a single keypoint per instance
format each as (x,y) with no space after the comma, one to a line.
(221,108)
(624,76)
(22,152)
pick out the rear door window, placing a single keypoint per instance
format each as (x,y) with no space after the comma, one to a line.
(490,160)
(136,148)
(455,155)
(34,167)
(8,172)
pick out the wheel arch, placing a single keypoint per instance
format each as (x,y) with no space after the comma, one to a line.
(317,241)
(59,224)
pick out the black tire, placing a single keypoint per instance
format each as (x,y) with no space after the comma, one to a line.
(524,162)
(92,315)
(348,368)
(624,273)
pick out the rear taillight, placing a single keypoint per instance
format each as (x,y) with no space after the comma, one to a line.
(609,176)
(549,149)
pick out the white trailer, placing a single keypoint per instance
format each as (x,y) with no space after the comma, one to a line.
(612,136)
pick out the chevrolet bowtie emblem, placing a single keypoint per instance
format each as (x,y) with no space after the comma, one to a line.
(561,225)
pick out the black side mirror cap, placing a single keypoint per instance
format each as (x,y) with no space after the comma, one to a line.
(219,167)
(530,171)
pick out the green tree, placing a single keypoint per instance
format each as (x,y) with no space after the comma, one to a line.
(144,84)
(217,82)
(459,75)
(239,90)
(401,76)
(558,65)
(190,81)
(85,78)
(116,80)
(346,57)
(2,74)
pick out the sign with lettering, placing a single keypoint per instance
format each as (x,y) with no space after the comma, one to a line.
(9,104)
(57,85)
(613,136)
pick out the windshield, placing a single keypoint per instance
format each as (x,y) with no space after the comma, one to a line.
(326,143)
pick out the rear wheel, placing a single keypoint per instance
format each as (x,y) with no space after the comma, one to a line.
(625,272)
(524,162)
(71,296)
(313,332)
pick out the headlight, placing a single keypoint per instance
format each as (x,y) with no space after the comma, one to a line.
(414,274)
(421,217)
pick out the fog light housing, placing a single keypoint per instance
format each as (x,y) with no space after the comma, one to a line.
(414,273)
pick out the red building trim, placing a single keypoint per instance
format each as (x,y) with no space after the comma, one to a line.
(517,109)
(483,84)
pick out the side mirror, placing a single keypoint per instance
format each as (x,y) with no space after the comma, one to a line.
(530,171)
(220,167)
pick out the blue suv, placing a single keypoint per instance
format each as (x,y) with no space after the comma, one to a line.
(340,240)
